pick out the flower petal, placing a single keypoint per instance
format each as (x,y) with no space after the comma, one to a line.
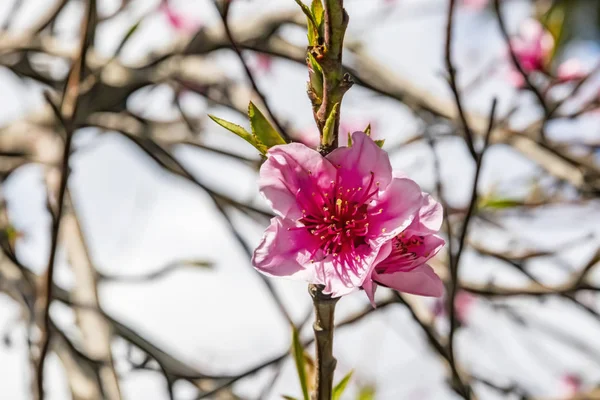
(283,251)
(290,175)
(369,285)
(394,210)
(357,163)
(430,217)
(421,281)
(398,262)
(342,278)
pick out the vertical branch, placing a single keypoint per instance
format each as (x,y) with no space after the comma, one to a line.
(326,101)
(96,331)
(65,115)
(464,389)
(336,83)
(323,328)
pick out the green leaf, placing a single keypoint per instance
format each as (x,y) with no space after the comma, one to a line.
(380,142)
(349,140)
(198,263)
(127,36)
(316,76)
(366,393)
(313,26)
(341,386)
(368,130)
(499,203)
(262,129)
(318,14)
(554,21)
(241,132)
(329,126)
(298,353)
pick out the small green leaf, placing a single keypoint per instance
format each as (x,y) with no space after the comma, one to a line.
(298,352)
(313,26)
(198,263)
(366,393)
(241,132)
(316,76)
(127,36)
(380,142)
(349,140)
(318,13)
(341,386)
(262,129)
(499,203)
(368,130)
(329,126)
(554,21)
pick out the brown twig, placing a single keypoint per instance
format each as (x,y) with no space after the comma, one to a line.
(452,81)
(455,258)
(224,13)
(67,112)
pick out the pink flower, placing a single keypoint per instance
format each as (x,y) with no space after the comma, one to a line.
(262,63)
(463,303)
(475,5)
(533,46)
(570,70)
(570,386)
(178,21)
(337,215)
(402,261)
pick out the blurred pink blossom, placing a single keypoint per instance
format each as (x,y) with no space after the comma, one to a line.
(179,22)
(475,5)
(533,46)
(337,215)
(570,386)
(463,302)
(570,70)
(262,63)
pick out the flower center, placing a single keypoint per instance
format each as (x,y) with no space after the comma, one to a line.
(340,218)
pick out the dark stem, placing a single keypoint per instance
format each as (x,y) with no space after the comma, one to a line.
(323,328)
(65,115)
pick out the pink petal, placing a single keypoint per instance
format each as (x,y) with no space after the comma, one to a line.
(357,163)
(395,209)
(570,70)
(283,251)
(369,285)
(430,217)
(290,175)
(397,262)
(340,280)
(421,281)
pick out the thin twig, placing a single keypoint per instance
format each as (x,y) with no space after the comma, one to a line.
(455,258)
(67,112)
(224,13)
(452,80)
